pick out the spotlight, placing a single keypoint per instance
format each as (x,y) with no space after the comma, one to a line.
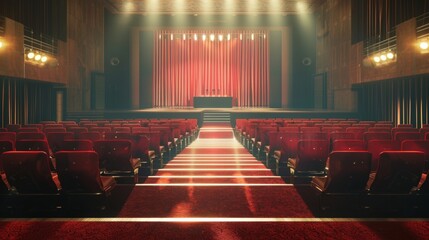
(184,36)
(171,36)
(383,57)
(1,44)
(195,37)
(204,37)
(376,59)
(241,36)
(390,55)
(424,45)
(44,59)
(229,37)
(30,55)
(212,37)
(220,37)
(253,36)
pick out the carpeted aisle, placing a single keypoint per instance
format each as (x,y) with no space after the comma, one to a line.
(214,189)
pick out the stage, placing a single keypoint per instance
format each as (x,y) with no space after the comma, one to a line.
(235,113)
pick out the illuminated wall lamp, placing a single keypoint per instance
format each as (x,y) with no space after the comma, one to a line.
(424,45)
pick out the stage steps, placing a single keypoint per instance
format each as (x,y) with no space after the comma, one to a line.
(217,117)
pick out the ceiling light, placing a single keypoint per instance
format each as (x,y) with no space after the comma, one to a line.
(212,37)
(424,45)
(383,57)
(1,44)
(44,58)
(220,37)
(376,59)
(390,55)
(37,57)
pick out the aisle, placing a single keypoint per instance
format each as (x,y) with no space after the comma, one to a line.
(215,176)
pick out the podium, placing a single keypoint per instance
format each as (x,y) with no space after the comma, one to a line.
(212,102)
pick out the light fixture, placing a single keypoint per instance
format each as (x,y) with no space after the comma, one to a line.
(424,45)
(229,37)
(376,59)
(383,57)
(171,36)
(253,36)
(184,36)
(30,55)
(212,37)
(220,37)
(241,36)
(44,59)
(1,43)
(390,55)
(38,57)
(195,37)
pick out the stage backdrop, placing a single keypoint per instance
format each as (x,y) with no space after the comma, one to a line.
(192,63)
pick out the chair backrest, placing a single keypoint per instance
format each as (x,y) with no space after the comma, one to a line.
(309,129)
(79,171)
(314,136)
(30,135)
(28,129)
(13,127)
(348,145)
(92,136)
(375,147)
(357,131)
(29,172)
(401,136)
(10,136)
(55,139)
(398,172)
(341,135)
(289,144)
(33,145)
(5,146)
(348,171)
(54,129)
(417,145)
(368,136)
(380,129)
(312,155)
(114,155)
(76,145)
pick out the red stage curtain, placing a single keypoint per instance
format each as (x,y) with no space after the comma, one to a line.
(210,63)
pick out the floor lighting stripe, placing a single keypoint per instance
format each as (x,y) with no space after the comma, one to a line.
(198,156)
(211,220)
(214,169)
(228,176)
(215,164)
(216,161)
(212,185)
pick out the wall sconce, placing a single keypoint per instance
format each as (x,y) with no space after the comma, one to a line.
(36,57)
(383,58)
(424,45)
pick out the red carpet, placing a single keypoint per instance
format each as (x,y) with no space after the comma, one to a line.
(214,177)
(214,230)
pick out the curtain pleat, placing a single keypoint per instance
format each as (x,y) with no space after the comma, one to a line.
(402,100)
(24,101)
(186,66)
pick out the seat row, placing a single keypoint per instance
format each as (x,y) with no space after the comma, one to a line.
(27,180)
(399,181)
(188,124)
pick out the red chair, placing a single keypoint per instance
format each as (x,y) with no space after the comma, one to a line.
(380,129)
(310,129)
(13,127)
(348,145)
(375,147)
(347,173)
(54,129)
(77,130)
(30,179)
(368,136)
(76,145)
(405,126)
(398,172)
(401,136)
(5,146)
(92,136)
(116,157)
(314,136)
(311,158)
(8,136)
(357,131)
(30,135)
(417,145)
(55,139)
(80,178)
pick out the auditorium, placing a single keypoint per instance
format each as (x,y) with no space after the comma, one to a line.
(214,119)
